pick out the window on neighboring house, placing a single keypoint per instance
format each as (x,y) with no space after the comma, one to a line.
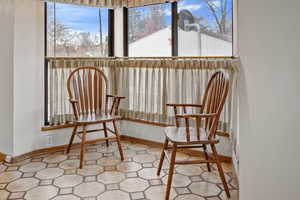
(198,28)
(77,30)
(149,30)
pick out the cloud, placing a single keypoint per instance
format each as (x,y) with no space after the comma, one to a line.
(192,7)
(168,12)
(182,6)
(216,3)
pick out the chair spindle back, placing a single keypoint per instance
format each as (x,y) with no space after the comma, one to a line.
(88,87)
(214,100)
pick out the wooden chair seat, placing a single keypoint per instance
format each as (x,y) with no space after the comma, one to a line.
(96,118)
(177,135)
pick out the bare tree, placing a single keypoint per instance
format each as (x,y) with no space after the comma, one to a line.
(59,36)
(219,10)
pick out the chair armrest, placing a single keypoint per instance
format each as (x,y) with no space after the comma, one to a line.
(195,115)
(113,96)
(183,105)
(175,105)
(115,105)
(120,97)
(110,96)
(73,101)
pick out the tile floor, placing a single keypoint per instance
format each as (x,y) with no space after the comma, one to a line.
(104,177)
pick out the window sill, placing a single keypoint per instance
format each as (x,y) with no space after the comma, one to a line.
(57,127)
(63,126)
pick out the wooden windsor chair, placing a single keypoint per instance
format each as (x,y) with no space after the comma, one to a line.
(88,93)
(204,132)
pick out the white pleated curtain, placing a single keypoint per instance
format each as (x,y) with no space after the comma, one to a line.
(147,84)
(150,84)
(112,3)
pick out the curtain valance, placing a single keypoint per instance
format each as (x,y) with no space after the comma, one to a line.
(112,3)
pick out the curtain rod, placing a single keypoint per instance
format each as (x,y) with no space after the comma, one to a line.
(126,57)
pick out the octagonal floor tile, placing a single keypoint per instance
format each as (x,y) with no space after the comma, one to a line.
(129,167)
(204,189)
(105,149)
(144,158)
(90,170)
(68,181)
(234,195)
(138,147)
(110,177)
(134,185)
(2,168)
(55,158)
(114,195)
(92,156)
(41,192)
(4,195)
(49,173)
(22,185)
(158,192)
(189,170)
(189,197)
(127,153)
(166,164)
(66,197)
(109,161)
(89,189)
(213,177)
(6,177)
(149,173)
(33,167)
(178,180)
(69,164)
(155,151)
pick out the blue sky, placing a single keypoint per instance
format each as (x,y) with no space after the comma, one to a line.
(82,18)
(197,7)
(86,18)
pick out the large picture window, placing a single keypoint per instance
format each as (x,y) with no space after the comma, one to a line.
(77,31)
(183,28)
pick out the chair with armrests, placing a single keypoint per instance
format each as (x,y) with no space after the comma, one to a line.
(88,93)
(204,132)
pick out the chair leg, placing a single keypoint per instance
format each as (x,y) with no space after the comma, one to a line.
(162,157)
(206,157)
(71,139)
(83,137)
(118,140)
(171,171)
(221,172)
(105,133)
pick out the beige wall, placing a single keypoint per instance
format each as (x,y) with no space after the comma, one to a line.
(6,75)
(269,41)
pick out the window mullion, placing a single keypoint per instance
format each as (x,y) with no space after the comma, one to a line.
(111,32)
(174,29)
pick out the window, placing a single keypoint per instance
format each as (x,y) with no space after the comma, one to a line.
(183,28)
(205,28)
(77,30)
(149,30)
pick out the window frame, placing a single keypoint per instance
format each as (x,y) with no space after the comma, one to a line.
(174,29)
(111,52)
